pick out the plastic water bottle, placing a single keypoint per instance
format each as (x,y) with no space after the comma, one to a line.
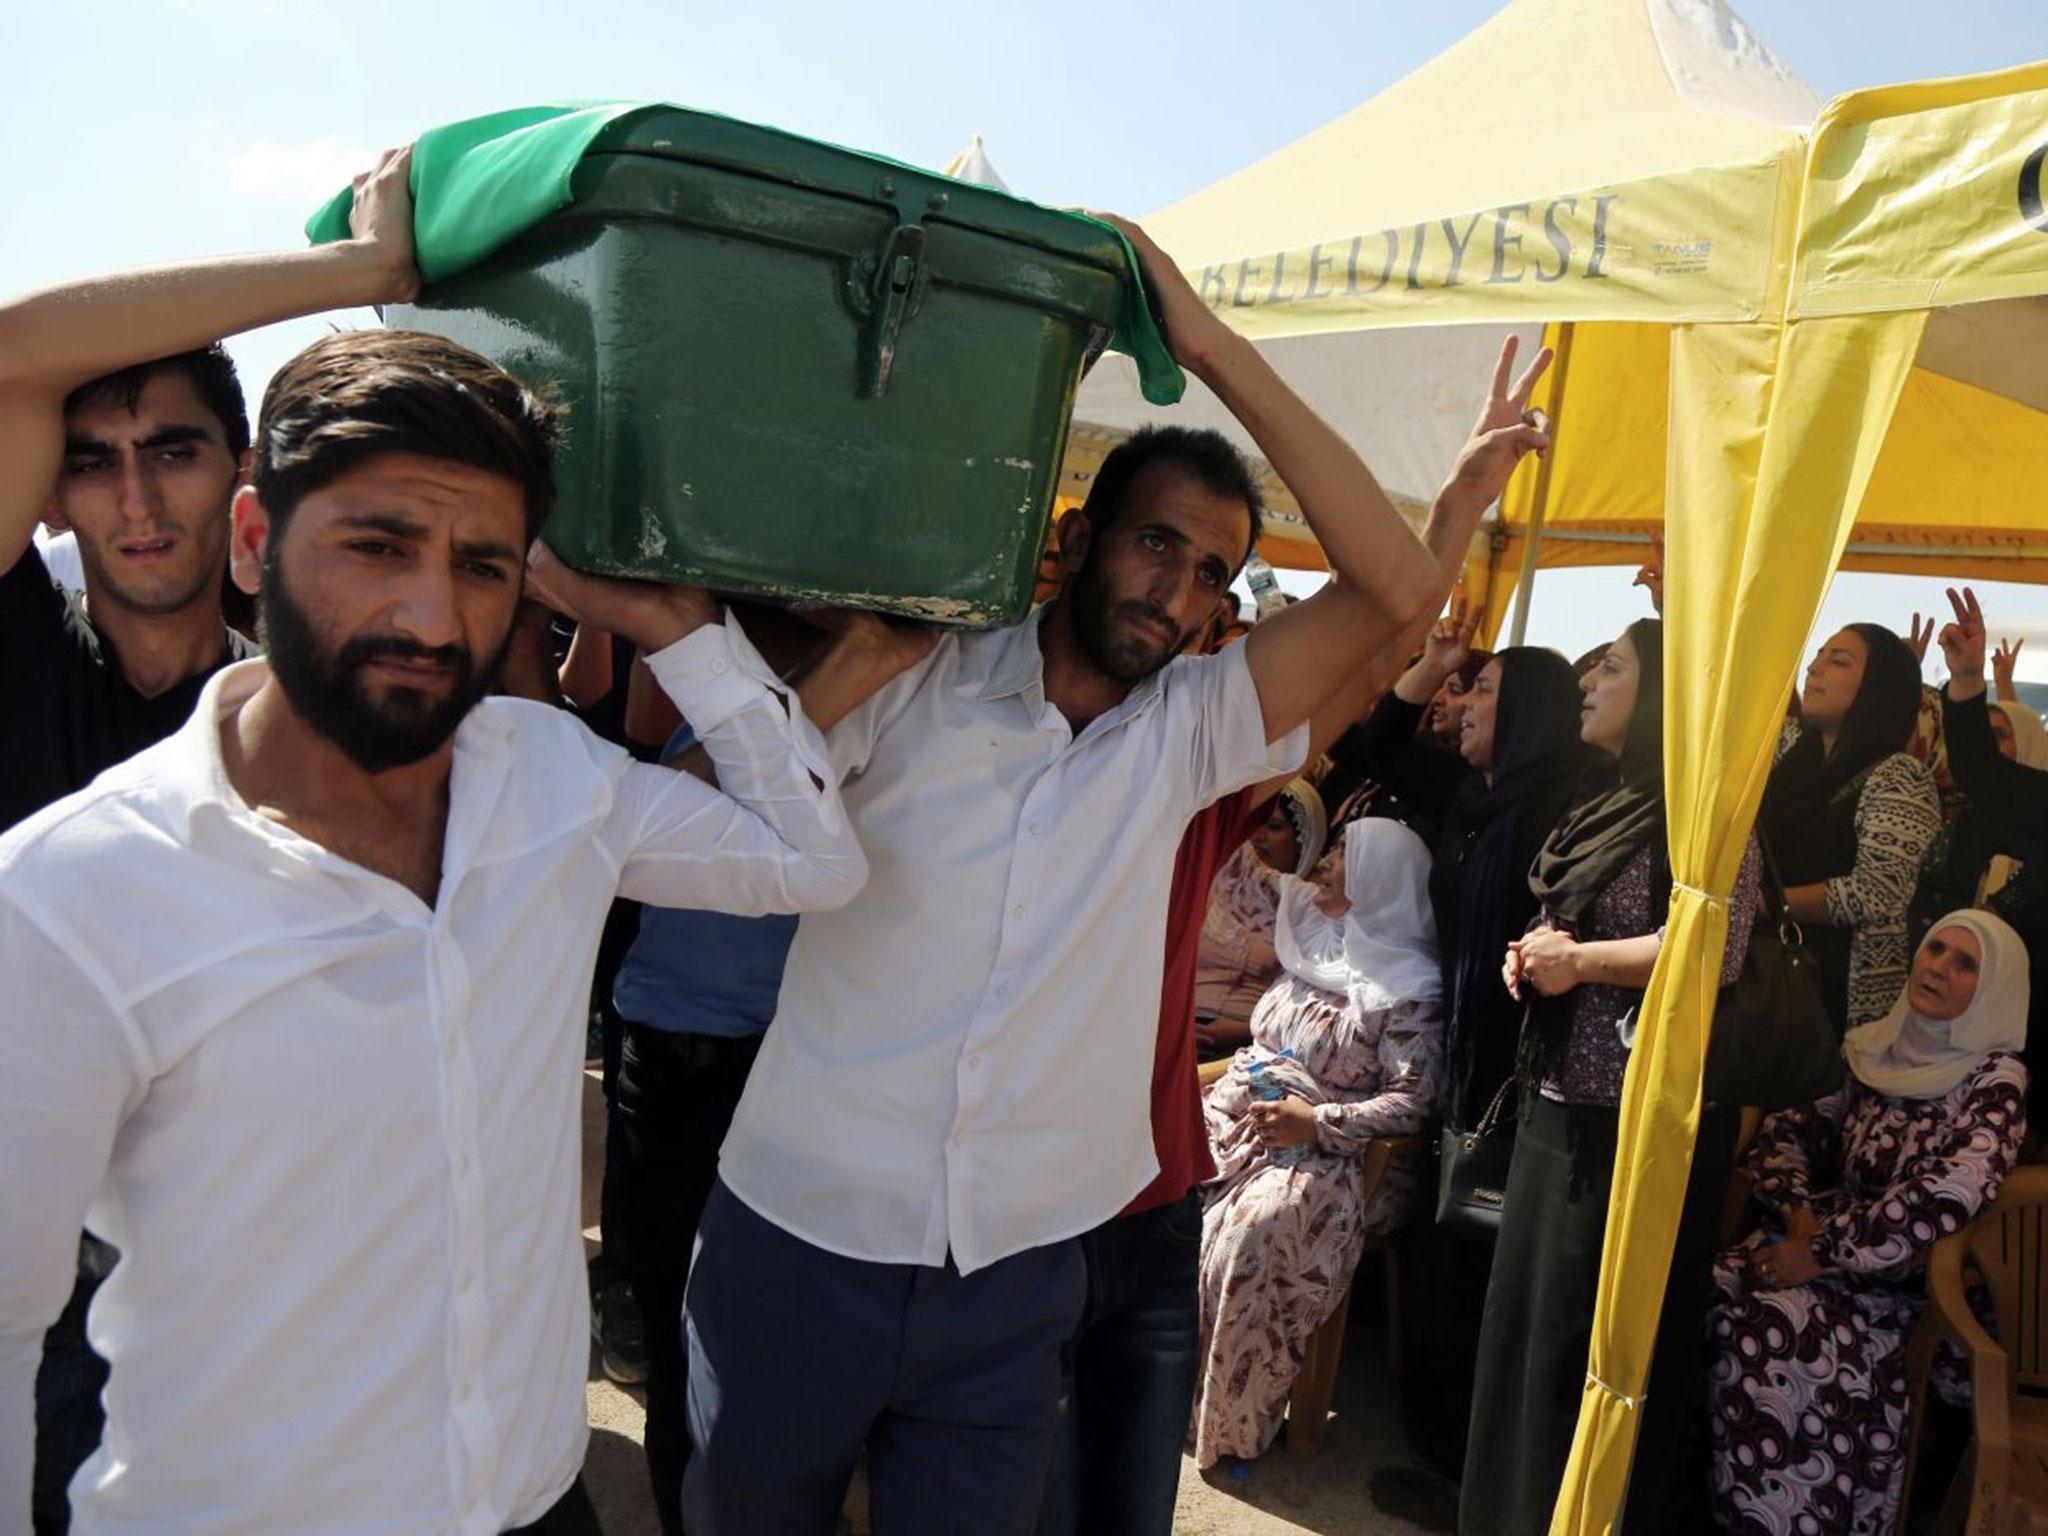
(1267,1090)
(1267,598)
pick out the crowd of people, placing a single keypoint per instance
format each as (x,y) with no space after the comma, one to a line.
(995,1026)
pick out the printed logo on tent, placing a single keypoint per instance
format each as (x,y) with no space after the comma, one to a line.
(2031,208)
(1541,242)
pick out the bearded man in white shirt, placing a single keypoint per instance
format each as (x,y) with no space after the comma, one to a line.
(297,994)
(956,1082)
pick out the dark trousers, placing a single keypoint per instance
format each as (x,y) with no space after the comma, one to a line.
(1116,1453)
(675,1101)
(1444,1277)
(69,1380)
(570,1515)
(1538,1327)
(798,1357)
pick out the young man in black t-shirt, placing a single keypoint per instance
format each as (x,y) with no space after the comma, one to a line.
(149,467)
(121,420)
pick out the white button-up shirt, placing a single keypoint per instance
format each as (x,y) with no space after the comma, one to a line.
(333,1132)
(961,1057)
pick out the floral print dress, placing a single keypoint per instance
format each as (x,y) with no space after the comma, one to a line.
(1807,1390)
(1279,1243)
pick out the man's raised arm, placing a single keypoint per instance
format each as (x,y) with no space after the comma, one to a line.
(1497,442)
(1384,583)
(55,339)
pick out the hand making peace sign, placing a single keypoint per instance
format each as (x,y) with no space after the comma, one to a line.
(1962,646)
(1506,430)
(1449,645)
(2004,663)
(1917,637)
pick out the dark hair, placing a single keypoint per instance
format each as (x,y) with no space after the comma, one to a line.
(1536,721)
(1209,456)
(1474,663)
(1797,815)
(213,377)
(1642,753)
(1886,711)
(355,395)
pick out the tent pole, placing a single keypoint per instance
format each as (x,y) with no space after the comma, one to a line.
(1525,588)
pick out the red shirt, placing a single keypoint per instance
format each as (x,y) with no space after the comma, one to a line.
(1180,1138)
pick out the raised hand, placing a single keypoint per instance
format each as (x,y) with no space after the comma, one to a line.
(380,220)
(1506,430)
(1192,328)
(1962,645)
(1449,645)
(881,647)
(1650,573)
(2004,661)
(1918,636)
(651,614)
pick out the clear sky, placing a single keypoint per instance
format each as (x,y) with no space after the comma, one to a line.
(144,130)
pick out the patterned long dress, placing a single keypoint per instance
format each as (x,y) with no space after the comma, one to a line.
(1279,1244)
(1236,962)
(1807,1392)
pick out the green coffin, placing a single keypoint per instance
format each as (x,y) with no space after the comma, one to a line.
(795,372)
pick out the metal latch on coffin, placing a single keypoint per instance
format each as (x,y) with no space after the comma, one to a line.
(885,290)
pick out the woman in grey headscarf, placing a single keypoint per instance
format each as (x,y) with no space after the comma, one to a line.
(1807,1394)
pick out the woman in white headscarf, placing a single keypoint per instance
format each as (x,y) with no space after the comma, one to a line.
(1351,1033)
(1806,1395)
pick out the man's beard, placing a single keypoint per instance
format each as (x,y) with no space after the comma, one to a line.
(1126,659)
(325,689)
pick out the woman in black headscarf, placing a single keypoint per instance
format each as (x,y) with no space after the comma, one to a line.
(1849,814)
(1519,756)
(1603,883)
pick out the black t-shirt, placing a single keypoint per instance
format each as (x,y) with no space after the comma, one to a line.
(68,710)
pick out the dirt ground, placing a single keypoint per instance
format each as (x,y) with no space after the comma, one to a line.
(1330,1494)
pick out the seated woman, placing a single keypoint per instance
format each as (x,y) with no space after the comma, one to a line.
(1807,1393)
(1236,962)
(1350,1031)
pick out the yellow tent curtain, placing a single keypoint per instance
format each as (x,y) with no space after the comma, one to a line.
(1776,432)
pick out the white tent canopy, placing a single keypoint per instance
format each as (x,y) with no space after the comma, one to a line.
(1652,75)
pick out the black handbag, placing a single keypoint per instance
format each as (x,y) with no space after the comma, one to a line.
(1773,1044)
(1472,1170)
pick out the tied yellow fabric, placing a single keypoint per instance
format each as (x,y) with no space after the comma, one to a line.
(1775,430)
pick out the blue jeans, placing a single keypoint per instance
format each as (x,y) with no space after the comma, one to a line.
(798,1357)
(1116,1459)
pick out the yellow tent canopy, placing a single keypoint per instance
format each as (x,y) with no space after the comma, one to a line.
(1777,331)
(1651,195)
